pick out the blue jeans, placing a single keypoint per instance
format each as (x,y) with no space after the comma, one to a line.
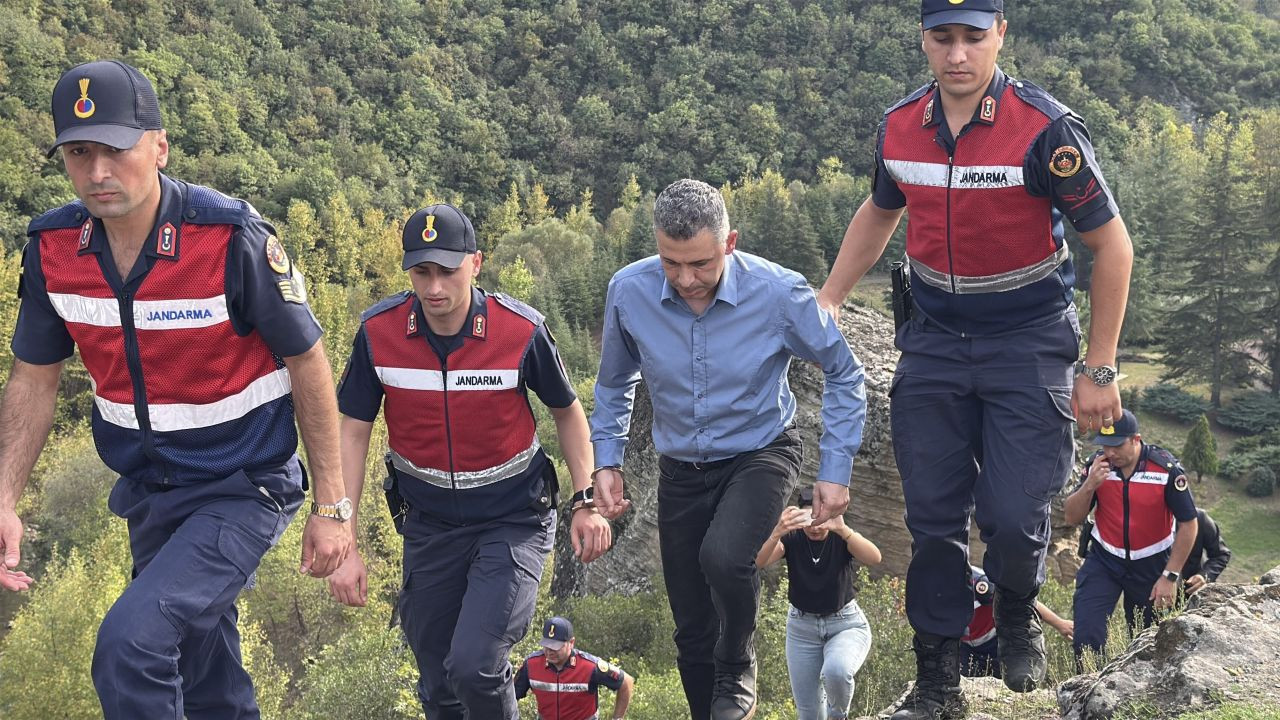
(823,654)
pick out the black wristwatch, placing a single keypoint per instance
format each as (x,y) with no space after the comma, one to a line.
(1102,376)
(1172,576)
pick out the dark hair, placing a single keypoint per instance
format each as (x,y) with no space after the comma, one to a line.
(806,496)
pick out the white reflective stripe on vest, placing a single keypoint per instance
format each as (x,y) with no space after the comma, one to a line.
(1149,478)
(558,687)
(980,640)
(1138,554)
(1000,282)
(147,314)
(472,479)
(416,379)
(963,177)
(168,417)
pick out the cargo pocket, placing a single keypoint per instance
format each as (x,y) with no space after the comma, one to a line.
(1047,470)
(220,558)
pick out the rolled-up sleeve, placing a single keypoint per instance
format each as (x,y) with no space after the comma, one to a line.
(615,385)
(812,334)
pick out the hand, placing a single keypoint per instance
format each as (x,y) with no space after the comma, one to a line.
(829,500)
(1067,628)
(1195,583)
(793,518)
(349,584)
(1162,594)
(590,534)
(1098,473)
(608,493)
(325,543)
(1094,407)
(10,542)
(830,305)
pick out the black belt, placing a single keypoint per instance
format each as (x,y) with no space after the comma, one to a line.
(701,466)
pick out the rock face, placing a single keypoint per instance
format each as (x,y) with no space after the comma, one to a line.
(875,508)
(1226,646)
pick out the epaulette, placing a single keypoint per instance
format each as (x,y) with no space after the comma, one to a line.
(919,93)
(1039,98)
(72,214)
(206,206)
(534,654)
(517,307)
(1161,457)
(386,304)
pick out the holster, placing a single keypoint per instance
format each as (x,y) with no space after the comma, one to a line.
(550,488)
(1086,535)
(900,277)
(395,501)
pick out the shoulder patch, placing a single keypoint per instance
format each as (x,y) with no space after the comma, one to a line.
(1180,483)
(517,307)
(919,93)
(386,304)
(1039,98)
(72,214)
(277,258)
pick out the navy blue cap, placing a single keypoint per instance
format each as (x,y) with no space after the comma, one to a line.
(1116,435)
(556,632)
(440,234)
(974,13)
(105,102)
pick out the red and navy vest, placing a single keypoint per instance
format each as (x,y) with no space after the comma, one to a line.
(460,431)
(179,396)
(982,627)
(985,253)
(570,693)
(1132,517)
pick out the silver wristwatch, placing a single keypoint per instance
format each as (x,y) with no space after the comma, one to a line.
(1101,376)
(340,511)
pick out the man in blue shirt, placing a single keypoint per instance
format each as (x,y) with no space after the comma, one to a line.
(712,333)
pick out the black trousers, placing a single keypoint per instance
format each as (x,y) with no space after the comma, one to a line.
(712,520)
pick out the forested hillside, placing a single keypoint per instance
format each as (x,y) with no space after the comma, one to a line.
(553,124)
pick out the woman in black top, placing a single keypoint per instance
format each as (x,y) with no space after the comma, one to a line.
(827,635)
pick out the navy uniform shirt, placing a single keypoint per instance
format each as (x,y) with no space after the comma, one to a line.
(255,300)
(1083,198)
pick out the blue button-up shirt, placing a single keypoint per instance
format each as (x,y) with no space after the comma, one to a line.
(718,381)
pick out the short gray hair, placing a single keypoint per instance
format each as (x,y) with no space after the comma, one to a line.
(687,207)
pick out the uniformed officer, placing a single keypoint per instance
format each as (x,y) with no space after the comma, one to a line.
(980,648)
(565,680)
(988,167)
(193,324)
(454,365)
(1136,492)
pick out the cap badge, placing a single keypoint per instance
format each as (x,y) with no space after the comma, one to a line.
(1108,430)
(164,241)
(551,630)
(1065,161)
(429,233)
(86,232)
(276,257)
(956,2)
(84,107)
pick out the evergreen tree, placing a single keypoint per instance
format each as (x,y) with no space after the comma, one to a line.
(503,219)
(1201,451)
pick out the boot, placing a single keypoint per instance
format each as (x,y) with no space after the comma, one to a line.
(1022,654)
(936,694)
(734,697)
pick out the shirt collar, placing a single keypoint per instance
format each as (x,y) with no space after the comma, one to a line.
(726,290)
(987,109)
(163,241)
(573,661)
(475,327)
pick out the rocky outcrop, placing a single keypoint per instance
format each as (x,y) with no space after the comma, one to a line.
(1225,646)
(875,507)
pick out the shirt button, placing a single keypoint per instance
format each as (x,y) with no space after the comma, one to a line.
(697,320)
(698,358)
(702,394)
(701,430)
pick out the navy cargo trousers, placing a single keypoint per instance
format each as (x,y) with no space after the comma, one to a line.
(981,427)
(169,648)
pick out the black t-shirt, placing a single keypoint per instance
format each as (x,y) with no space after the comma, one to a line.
(820,586)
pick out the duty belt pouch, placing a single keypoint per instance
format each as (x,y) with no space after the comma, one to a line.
(550,493)
(395,502)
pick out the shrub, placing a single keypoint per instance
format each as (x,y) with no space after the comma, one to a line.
(1171,400)
(1262,482)
(1200,454)
(1252,413)
(1131,398)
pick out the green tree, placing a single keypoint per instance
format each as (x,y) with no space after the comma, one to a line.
(516,280)
(1201,450)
